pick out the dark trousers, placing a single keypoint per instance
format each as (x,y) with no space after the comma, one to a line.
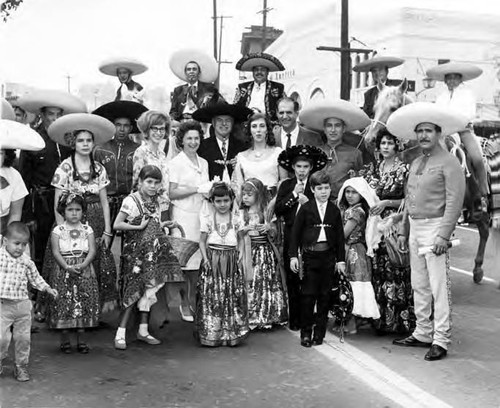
(42,203)
(316,287)
(293,287)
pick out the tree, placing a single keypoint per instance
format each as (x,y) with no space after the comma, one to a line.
(7,7)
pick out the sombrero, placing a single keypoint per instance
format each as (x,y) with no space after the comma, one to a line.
(14,135)
(122,109)
(6,110)
(378,62)
(468,71)
(237,112)
(207,64)
(314,115)
(288,156)
(403,122)
(51,98)
(260,59)
(110,66)
(61,131)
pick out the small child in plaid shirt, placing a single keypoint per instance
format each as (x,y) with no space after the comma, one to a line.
(16,270)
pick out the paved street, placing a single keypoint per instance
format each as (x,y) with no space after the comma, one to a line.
(272,370)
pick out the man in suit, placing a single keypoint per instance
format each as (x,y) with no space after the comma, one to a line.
(290,133)
(221,147)
(379,68)
(261,94)
(199,71)
(294,192)
(318,232)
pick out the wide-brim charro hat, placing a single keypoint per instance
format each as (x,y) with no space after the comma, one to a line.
(468,71)
(111,65)
(315,154)
(207,64)
(61,131)
(51,98)
(259,59)
(122,109)
(403,122)
(14,135)
(6,110)
(313,116)
(237,112)
(378,61)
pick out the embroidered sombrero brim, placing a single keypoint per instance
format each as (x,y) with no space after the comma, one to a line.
(6,110)
(14,135)
(315,154)
(403,122)
(61,131)
(468,71)
(378,62)
(313,116)
(110,66)
(122,109)
(181,58)
(261,59)
(237,112)
(51,98)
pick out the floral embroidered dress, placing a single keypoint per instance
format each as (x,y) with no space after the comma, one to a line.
(77,305)
(104,264)
(143,156)
(392,285)
(221,297)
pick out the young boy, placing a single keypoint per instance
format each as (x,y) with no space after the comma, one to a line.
(318,231)
(16,270)
(292,194)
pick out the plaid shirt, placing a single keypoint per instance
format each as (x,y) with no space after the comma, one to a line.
(15,273)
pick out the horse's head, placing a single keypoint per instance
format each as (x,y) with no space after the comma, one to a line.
(390,98)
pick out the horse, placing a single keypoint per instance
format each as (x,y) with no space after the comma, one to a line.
(390,99)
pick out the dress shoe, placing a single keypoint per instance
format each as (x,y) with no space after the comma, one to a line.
(186,317)
(410,341)
(435,353)
(294,327)
(306,342)
(148,339)
(317,342)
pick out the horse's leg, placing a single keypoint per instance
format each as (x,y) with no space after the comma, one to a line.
(483,228)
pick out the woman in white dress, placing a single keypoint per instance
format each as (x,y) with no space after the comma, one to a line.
(188,182)
(261,160)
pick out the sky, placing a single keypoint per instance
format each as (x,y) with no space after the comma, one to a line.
(46,40)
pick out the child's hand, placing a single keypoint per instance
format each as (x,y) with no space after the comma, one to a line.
(52,292)
(73,269)
(341,267)
(105,241)
(206,264)
(303,199)
(144,223)
(294,265)
(263,228)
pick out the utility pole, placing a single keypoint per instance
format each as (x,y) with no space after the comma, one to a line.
(68,78)
(218,57)
(215,29)
(264,12)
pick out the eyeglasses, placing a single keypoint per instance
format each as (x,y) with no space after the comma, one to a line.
(157,129)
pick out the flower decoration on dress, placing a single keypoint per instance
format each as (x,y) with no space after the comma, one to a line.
(74,234)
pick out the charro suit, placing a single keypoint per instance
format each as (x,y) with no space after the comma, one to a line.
(274,92)
(204,93)
(305,137)
(371,97)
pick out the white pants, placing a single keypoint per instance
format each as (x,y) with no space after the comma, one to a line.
(430,281)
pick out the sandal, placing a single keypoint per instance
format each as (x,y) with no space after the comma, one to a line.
(83,348)
(65,347)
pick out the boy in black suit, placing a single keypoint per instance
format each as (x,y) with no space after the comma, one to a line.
(292,194)
(318,231)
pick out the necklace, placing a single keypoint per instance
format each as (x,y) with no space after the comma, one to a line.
(257,154)
(222,228)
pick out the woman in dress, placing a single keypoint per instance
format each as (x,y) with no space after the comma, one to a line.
(261,160)
(80,174)
(392,284)
(188,182)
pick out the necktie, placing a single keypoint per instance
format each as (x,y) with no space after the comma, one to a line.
(224,149)
(288,140)
(421,166)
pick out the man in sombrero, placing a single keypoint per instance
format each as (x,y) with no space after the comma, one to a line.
(124,68)
(37,168)
(117,154)
(461,99)
(199,71)
(379,67)
(333,119)
(261,93)
(221,147)
(301,161)
(434,198)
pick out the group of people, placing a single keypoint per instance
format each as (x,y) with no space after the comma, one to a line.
(247,215)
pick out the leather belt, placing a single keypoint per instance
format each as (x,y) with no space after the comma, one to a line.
(317,247)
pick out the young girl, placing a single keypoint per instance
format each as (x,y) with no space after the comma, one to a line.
(267,303)
(74,248)
(221,299)
(147,260)
(355,199)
